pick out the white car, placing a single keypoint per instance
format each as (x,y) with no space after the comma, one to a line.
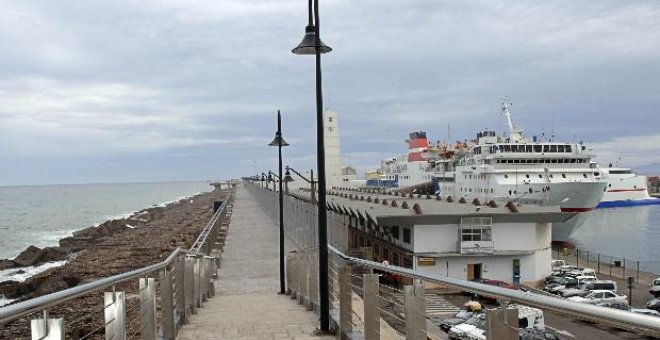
(459,332)
(528,318)
(598,296)
(655,288)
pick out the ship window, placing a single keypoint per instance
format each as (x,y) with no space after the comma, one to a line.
(596,173)
(394,231)
(330,119)
(538,148)
(610,185)
(491,190)
(540,176)
(507,148)
(552,176)
(506,176)
(553,148)
(560,148)
(546,148)
(509,192)
(567,148)
(563,175)
(527,175)
(530,190)
(528,148)
(584,175)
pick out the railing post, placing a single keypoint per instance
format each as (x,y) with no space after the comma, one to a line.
(415,312)
(115,315)
(502,324)
(196,283)
(179,268)
(345,302)
(148,308)
(189,285)
(371,314)
(47,329)
(167,305)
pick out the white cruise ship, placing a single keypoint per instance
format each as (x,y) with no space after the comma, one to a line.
(624,188)
(501,169)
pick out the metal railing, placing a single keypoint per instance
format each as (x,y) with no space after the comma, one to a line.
(352,279)
(150,302)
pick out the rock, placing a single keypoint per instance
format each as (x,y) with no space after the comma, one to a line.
(49,254)
(28,257)
(7,264)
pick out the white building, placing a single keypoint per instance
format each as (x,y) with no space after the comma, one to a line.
(461,240)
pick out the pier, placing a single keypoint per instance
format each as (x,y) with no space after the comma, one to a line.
(226,285)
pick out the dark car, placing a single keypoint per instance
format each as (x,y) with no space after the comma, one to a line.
(496,283)
(654,304)
(615,305)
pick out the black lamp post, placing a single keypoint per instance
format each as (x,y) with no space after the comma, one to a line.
(288,178)
(270,178)
(311,44)
(279,142)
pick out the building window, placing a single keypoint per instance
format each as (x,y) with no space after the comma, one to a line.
(406,235)
(330,119)
(395,232)
(476,229)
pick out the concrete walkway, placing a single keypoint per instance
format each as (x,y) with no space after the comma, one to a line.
(246,305)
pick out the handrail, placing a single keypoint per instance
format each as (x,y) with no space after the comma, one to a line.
(201,239)
(17,310)
(632,321)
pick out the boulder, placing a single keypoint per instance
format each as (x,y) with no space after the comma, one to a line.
(49,254)
(28,257)
(7,264)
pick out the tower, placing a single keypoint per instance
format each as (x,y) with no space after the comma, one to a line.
(333,163)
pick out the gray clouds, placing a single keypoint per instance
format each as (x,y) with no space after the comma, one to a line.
(196,84)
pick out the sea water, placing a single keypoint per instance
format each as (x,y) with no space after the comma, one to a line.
(632,233)
(41,215)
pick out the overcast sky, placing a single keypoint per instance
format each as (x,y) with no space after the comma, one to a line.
(116,91)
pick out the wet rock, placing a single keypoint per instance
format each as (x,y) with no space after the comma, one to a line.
(7,264)
(28,256)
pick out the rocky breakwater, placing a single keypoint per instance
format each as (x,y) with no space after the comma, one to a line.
(114,247)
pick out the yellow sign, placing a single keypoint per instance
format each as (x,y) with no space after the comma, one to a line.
(426,261)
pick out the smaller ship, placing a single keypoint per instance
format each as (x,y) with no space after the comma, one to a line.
(624,188)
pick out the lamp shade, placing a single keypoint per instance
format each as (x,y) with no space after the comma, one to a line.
(278,141)
(308,44)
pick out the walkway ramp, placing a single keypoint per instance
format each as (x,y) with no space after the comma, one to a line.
(247,304)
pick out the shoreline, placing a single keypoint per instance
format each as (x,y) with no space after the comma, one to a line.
(16,286)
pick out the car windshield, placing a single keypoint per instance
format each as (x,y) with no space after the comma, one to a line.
(656,282)
(475,321)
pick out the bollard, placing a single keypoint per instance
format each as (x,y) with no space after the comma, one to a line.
(148,308)
(115,315)
(47,329)
(345,302)
(415,312)
(167,305)
(371,314)
(502,324)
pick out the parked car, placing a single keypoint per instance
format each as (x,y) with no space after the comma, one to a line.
(528,318)
(582,282)
(570,292)
(626,307)
(496,283)
(460,317)
(535,334)
(557,264)
(597,296)
(459,332)
(566,282)
(602,285)
(655,287)
(654,304)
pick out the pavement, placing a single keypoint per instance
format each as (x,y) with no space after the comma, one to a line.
(247,304)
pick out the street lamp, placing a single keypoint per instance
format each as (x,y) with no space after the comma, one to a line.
(279,142)
(270,178)
(311,44)
(288,178)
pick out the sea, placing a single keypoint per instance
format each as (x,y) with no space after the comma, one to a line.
(631,233)
(41,215)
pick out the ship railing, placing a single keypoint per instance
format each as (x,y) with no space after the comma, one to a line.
(363,293)
(151,302)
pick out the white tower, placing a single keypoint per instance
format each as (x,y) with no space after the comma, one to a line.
(333,163)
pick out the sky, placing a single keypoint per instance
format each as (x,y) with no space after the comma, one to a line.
(163,90)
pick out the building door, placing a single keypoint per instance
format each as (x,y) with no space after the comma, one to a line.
(473,271)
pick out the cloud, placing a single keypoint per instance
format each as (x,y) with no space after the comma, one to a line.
(630,151)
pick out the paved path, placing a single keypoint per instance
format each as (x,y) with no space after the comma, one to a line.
(246,305)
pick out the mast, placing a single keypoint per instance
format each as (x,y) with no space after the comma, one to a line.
(515,133)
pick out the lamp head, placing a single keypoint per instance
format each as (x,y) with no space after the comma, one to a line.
(287,176)
(278,141)
(308,44)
